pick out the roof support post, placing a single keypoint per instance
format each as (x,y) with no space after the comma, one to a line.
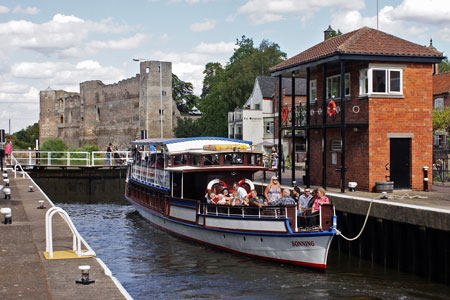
(308,121)
(280,93)
(324,129)
(343,126)
(293,122)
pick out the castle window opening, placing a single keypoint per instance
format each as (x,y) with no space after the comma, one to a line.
(61,118)
(147,70)
(164,93)
(161,112)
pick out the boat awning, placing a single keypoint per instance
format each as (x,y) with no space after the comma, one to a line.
(185,144)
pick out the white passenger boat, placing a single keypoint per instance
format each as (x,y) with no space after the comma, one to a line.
(167,186)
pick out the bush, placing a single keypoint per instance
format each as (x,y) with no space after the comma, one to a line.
(54,145)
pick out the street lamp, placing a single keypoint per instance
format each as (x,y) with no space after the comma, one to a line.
(161,111)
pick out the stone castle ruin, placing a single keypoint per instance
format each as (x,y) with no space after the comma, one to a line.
(116,113)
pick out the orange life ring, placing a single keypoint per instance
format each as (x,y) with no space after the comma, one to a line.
(285,113)
(331,108)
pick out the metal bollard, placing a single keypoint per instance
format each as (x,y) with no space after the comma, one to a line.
(41,204)
(7,193)
(6,181)
(8,214)
(30,189)
(425,179)
(85,275)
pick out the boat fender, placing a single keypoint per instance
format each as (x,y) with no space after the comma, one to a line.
(247,181)
(213,182)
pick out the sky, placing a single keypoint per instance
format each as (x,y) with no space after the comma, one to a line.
(58,44)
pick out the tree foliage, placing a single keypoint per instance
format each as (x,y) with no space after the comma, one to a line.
(225,88)
(441,119)
(26,138)
(444,66)
(182,93)
(187,127)
(54,144)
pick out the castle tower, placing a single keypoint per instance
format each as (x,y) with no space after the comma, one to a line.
(156,107)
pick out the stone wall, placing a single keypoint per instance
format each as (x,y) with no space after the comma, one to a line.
(116,113)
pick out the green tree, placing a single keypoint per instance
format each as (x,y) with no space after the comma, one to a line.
(27,137)
(182,93)
(441,119)
(444,66)
(54,144)
(187,127)
(229,87)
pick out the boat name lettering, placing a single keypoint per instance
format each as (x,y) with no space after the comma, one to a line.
(303,244)
(225,147)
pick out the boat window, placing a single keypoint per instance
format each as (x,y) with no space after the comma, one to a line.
(255,159)
(238,159)
(179,160)
(211,159)
(196,159)
(160,161)
(228,159)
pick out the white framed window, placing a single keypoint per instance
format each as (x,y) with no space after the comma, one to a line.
(312,91)
(381,81)
(334,86)
(439,103)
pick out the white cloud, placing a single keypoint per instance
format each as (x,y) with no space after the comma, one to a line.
(216,48)
(120,44)
(60,73)
(63,34)
(3,9)
(28,10)
(423,11)
(264,11)
(203,26)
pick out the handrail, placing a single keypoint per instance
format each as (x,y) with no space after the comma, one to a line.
(16,164)
(77,238)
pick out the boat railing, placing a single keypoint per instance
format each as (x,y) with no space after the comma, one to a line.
(275,212)
(149,175)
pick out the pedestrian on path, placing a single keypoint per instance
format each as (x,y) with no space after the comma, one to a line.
(109,150)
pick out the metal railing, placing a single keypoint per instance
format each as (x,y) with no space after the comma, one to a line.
(116,158)
(69,158)
(147,174)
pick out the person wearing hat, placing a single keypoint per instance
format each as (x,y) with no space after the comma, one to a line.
(273,190)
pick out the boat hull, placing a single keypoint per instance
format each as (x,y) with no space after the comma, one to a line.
(306,249)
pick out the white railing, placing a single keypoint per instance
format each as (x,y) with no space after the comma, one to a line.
(77,238)
(147,174)
(69,158)
(52,158)
(116,158)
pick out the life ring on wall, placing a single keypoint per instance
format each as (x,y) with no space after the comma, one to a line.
(331,108)
(247,181)
(215,181)
(285,113)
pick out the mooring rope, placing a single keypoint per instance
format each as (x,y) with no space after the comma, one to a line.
(362,229)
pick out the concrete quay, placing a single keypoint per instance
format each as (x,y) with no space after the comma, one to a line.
(25,273)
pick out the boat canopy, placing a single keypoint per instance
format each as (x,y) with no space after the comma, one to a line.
(195,143)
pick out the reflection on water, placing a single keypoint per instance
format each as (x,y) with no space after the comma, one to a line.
(152,264)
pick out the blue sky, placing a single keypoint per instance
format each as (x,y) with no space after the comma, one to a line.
(59,44)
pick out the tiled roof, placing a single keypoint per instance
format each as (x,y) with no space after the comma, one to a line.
(441,83)
(300,86)
(267,85)
(364,41)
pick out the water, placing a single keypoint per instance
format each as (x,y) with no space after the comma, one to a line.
(151,264)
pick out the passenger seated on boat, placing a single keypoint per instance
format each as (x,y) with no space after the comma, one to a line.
(227,197)
(273,190)
(235,200)
(286,199)
(228,159)
(255,200)
(210,197)
(241,191)
(303,200)
(220,199)
(321,199)
(245,201)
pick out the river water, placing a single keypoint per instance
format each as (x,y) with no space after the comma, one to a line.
(152,264)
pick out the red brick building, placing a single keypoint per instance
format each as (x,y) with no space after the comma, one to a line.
(382,131)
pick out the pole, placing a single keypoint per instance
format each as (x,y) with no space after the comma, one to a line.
(293,130)
(308,121)
(160,98)
(324,128)
(280,87)
(343,126)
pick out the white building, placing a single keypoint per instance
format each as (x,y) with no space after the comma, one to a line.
(255,122)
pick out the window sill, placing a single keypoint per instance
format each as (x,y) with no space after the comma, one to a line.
(392,96)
